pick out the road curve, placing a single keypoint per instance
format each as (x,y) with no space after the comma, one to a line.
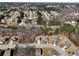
(58,49)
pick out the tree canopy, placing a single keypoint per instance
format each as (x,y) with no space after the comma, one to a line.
(67,28)
(40,19)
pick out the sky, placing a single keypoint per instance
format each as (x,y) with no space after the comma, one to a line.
(39,1)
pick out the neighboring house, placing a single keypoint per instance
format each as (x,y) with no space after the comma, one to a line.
(71,22)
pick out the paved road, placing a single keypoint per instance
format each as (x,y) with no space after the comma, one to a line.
(7,53)
(45,46)
(62,52)
(4,47)
(58,49)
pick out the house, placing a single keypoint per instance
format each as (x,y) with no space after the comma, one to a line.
(73,23)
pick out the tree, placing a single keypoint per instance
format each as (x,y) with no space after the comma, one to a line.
(44,29)
(40,19)
(67,28)
(55,22)
(20,17)
(2,17)
(52,8)
(57,31)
